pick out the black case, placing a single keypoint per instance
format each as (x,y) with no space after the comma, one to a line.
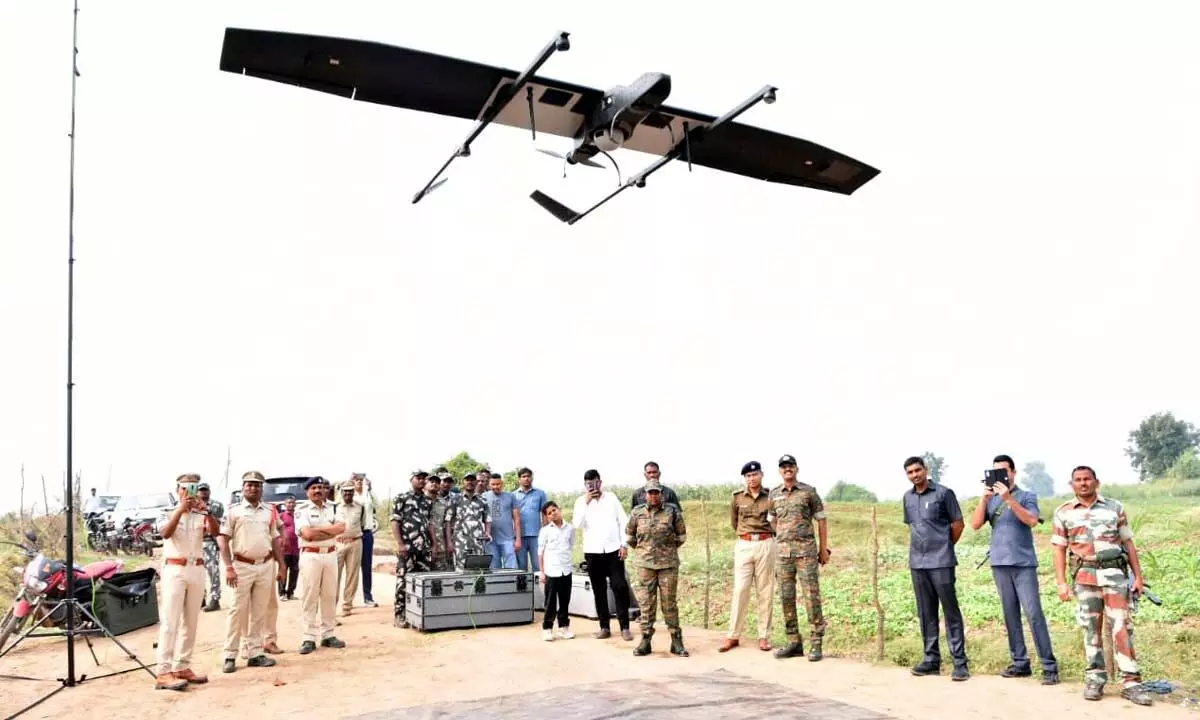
(127,601)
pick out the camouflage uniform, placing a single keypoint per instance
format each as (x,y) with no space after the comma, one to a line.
(411,510)
(439,512)
(212,556)
(655,535)
(795,511)
(469,522)
(1101,585)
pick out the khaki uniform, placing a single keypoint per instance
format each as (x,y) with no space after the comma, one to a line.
(318,573)
(252,537)
(754,555)
(182,588)
(349,550)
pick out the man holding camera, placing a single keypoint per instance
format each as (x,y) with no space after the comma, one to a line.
(1106,577)
(598,515)
(1013,513)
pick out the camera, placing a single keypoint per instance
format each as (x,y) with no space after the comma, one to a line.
(995,475)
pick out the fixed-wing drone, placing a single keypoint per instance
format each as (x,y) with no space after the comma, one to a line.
(599,121)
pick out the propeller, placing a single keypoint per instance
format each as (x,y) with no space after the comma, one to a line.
(588,162)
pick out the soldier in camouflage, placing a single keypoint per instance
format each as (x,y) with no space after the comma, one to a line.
(212,552)
(469,517)
(410,528)
(438,527)
(1106,579)
(655,531)
(793,507)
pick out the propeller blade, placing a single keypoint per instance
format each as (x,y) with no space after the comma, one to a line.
(560,156)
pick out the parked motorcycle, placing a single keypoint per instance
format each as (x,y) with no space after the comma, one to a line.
(43,584)
(100,534)
(137,537)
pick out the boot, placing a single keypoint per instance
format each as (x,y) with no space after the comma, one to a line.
(677,647)
(814,651)
(644,647)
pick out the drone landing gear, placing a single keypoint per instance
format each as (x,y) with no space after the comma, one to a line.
(682,148)
(561,42)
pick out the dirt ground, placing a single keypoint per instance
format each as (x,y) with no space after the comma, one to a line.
(384,668)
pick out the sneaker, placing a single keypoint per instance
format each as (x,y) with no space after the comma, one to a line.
(547,635)
(566,633)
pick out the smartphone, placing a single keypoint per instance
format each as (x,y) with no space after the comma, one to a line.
(192,490)
(995,475)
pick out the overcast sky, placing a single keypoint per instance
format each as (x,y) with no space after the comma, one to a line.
(1019,279)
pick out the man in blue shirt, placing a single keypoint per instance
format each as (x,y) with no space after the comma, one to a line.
(935,523)
(505,523)
(1013,513)
(530,502)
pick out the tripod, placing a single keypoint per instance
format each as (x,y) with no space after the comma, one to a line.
(70,605)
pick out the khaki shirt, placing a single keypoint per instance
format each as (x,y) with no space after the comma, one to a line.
(250,530)
(748,514)
(188,540)
(354,515)
(311,516)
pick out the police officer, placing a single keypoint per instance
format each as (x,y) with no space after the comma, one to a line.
(410,529)
(318,530)
(212,551)
(353,515)
(249,543)
(655,531)
(1106,580)
(754,556)
(794,507)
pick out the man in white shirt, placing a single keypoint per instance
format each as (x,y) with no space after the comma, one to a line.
(599,516)
(93,503)
(555,543)
(365,497)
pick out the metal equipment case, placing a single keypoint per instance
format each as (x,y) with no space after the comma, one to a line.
(583,602)
(469,599)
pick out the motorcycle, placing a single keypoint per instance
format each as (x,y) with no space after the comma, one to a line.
(137,536)
(43,584)
(100,535)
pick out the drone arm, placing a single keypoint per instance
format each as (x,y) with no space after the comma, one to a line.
(560,42)
(570,217)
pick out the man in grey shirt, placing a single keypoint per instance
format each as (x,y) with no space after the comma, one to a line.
(935,524)
(1013,513)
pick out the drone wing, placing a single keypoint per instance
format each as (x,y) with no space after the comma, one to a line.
(404,78)
(751,151)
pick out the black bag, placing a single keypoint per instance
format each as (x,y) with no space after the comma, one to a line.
(127,601)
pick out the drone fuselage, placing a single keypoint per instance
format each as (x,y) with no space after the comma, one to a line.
(615,119)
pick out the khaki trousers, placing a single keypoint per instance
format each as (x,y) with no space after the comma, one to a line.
(247,617)
(753,564)
(318,594)
(270,623)
(182,588)
(349,560)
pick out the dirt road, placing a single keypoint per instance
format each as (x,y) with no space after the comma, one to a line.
(384,668)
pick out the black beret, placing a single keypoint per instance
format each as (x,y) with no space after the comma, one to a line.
(752,466)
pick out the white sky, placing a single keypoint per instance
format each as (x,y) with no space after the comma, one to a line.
(1020,278)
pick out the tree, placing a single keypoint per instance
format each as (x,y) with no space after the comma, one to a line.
(843,491)
(936,465)
(510,480)
(1187,467)
(462,465)
(1035,479)
(1158,442)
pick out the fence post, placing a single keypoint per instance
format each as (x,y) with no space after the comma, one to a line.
(879,624)
(707,554)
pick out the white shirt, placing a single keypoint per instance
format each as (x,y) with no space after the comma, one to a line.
(367,500)
(93,504)
(602,522)
(555,545)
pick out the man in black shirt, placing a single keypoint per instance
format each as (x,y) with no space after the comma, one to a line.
(651,471)
(935,524)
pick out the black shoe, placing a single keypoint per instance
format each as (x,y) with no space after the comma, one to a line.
(1049,678)
(643,647)
(677,647)
(926,668)
(332,642)
(1012,671)
(960,674)
(307,646)
(1093,691)
(260,661)
(792,649)
(1137,695)
(814,653)
(212,605)
(229,666)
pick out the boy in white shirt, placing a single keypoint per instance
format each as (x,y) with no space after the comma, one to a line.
(556,542)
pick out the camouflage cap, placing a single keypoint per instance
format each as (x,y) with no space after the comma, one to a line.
(653,485)
(419,473)
(444,475)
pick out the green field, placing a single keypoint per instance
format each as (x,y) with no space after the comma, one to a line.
(1165,516)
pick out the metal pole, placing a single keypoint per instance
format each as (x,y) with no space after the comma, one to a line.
(70,495)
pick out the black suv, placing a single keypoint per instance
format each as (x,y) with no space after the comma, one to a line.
(278,490)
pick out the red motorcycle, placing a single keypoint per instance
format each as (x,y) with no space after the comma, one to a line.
(43,584)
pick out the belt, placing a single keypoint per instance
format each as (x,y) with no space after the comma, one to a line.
(756,536)
(249,561)
(349,540)
(183,561)
(317,549)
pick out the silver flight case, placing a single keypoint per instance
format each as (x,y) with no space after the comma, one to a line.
(583,601)
(469,599)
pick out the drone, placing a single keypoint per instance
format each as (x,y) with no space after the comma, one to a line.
(600,122)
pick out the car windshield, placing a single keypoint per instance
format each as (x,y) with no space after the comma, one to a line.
(108,502)
(277,491)
(130,502)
